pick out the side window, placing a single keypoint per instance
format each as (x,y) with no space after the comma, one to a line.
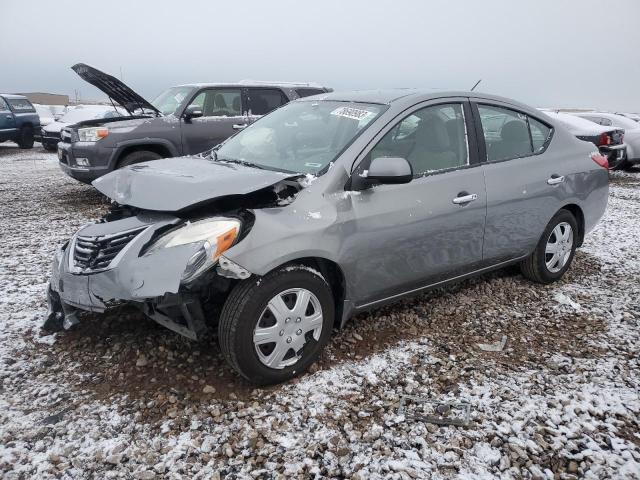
(431,139)
(219,102)
(506,133)
(539,134)
(21,105)
(3,105)
(263,100)
(307,92)
(606,122)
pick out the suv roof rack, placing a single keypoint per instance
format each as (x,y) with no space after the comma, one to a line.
(276,82)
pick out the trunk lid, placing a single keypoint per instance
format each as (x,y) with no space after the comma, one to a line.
(114,88)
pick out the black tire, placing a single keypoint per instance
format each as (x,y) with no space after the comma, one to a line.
(49,147)
(137,157)
(243,309)
(25,140)
(534,267)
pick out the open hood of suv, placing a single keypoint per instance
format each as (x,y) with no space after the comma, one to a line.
(114,88)
(174,184)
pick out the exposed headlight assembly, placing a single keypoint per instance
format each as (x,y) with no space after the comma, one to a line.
(213,235)
(92,134)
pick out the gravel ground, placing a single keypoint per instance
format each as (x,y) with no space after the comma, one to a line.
(120,397)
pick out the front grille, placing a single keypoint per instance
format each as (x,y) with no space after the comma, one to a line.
(97,253)
(55,135)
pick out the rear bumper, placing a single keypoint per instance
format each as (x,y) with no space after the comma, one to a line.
(99,159)
(616,154)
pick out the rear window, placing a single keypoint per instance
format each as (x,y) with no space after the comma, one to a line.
(20,105)
(307,92)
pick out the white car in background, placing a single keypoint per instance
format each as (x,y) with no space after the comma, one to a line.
(631,131)
(633,116)
(609,140)
(50,134)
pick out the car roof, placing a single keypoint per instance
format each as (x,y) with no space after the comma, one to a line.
(11,95)
(390,96)
(253,83)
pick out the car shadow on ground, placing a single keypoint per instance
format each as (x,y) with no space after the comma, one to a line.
(123,352)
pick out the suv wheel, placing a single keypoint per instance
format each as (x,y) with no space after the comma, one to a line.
(137,157)
(274,329)
(49,147)
(26,137)
(555,250)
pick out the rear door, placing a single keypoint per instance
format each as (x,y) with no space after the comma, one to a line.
(412,235)
(222,110)
(261,101)
(525,187)
(7,121)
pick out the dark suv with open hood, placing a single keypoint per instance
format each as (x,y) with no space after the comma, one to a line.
(184,120)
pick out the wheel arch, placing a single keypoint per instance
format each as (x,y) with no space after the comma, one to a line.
(334,276)
(577,212)
(164,149)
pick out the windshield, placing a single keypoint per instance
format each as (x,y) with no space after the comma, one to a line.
(301,137)
(81,114)
(167,102)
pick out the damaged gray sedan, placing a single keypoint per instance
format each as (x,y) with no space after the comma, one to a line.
(330,206)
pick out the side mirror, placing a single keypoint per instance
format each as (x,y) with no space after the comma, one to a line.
(192,111)
(385,170)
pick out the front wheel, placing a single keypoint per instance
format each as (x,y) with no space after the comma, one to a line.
(26,137)
(138,157)
(555,250)
(273,329)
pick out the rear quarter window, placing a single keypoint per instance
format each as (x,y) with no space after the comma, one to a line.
(20,105)
(307,92)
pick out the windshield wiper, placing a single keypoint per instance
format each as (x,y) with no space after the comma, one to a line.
(239,162)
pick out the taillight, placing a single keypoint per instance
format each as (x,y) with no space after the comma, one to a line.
(604,139)
(600,160)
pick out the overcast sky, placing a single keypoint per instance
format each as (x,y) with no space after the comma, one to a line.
(542,52)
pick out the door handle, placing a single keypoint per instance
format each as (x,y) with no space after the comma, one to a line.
(240,126)
(555,179)
(463,199)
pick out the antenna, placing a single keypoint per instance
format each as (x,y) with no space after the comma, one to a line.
(477,83)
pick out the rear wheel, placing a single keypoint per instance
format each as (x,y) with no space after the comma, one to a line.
(50,147)
(274,329)
(137,157)
(25,139)
(555,250)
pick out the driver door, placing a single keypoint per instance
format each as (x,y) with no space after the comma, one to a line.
(222,109)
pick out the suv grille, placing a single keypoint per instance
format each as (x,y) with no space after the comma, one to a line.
(96,253)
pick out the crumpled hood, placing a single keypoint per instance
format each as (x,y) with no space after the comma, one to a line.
(173,184)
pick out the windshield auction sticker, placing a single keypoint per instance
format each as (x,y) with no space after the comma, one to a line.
(350,112)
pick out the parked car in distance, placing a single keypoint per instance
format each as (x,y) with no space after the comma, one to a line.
(18,120)
(609,140)
(51,134)
(327,207)
(633,116)
(45,114)
(631,132)
(183,120)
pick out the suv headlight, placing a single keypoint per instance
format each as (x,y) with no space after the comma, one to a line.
(213,235)
(92,134)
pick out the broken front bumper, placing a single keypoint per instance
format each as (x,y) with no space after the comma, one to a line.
(152,282)
(129,276)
